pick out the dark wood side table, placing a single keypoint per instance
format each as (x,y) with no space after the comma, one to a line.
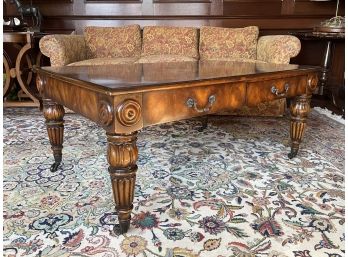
(329,39)
(20,70)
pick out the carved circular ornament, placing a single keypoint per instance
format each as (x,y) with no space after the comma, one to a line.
(39,84)
(105,113)
(128,112)
(312,82)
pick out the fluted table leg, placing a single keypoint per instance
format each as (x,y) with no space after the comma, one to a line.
(299,109)
(54,114)
(122,156)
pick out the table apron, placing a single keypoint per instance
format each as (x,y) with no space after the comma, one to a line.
(170,105)
(81,100)
(272,89)
(125,113)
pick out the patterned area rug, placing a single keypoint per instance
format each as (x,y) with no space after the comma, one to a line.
(227,191)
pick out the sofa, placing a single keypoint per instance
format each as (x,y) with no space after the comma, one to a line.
(161,44)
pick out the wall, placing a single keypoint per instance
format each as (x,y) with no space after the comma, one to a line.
(272,17)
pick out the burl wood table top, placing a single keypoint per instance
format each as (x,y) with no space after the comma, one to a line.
(120,78)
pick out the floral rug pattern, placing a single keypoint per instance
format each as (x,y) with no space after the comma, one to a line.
(228,190)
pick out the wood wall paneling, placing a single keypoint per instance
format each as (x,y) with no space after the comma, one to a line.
(307,7)
(252,7)
(114,1)
(269,15)
(162,7)
(108,9)
(46,1)
(336,77)
(272,17)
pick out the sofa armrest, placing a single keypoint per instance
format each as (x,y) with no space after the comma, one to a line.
(278,49)
(63,49)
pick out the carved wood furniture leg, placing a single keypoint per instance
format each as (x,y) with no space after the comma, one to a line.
(54,114)
(122,156)
(299,109)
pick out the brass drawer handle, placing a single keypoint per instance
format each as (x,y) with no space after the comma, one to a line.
(191,103)
(275,91)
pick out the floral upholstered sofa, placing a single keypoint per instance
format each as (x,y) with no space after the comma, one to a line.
(153,44)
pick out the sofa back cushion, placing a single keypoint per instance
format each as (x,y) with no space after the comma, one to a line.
(122,41)
(166,40)
(232,43)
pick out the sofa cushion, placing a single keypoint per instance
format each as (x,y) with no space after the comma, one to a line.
(236,43)
(63,49)
(104,61)
(278,48)
(165,58)
(163,40)
(113,41)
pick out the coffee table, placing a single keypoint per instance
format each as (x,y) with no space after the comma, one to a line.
(125,98)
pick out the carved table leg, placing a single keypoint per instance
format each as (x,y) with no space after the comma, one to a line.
(54,114)
(122,157)
(299,109)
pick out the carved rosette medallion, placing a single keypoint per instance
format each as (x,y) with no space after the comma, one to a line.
(105,113)
(128,112)
(39,84)
(312,82)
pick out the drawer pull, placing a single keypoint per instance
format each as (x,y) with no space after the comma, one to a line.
(275,91)
(191,103)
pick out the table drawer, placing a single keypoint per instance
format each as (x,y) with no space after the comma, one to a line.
(170,105)
(268,90)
